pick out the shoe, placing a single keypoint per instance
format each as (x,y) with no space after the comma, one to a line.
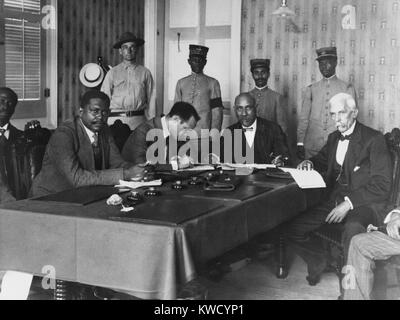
(313,280)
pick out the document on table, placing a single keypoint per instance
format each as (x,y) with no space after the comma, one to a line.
(136,185)
(306,179)
(230,166)
(15,285)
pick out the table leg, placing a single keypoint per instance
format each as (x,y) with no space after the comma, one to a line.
(282,269)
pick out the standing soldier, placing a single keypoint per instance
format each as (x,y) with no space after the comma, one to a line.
(315,123)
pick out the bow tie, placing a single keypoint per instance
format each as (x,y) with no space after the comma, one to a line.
(343,138)
(247,129)
(2,131)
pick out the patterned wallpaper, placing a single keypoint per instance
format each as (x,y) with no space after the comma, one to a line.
(368,55)
(88,29)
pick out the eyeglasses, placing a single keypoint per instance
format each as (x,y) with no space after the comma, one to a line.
(98,112)
(132,47)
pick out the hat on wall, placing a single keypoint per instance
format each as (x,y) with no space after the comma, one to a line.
(128,37)
(91,75)
(328,52)
(259,63)
(196,50)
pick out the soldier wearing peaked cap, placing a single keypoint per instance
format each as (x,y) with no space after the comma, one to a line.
(270,104)
(315,123)
(129,85)
(202,91)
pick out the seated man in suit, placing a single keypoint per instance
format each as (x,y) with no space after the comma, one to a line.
(364,249)
(357,169)
(262,141)
(82,152)
(8,135)
(182,118)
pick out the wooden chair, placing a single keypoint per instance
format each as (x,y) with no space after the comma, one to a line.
(331,234)
(120,132)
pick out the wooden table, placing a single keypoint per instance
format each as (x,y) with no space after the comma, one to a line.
(152,251)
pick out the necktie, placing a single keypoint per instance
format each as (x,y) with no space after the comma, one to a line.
(97,152)
(343,138)
(3,140)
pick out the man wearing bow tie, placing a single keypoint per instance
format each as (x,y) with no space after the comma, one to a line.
(258,140)
(8,135)
(357,169)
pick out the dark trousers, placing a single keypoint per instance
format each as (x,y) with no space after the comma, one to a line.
(311,250)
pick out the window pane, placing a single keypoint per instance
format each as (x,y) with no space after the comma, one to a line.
(23,58)
(31,6)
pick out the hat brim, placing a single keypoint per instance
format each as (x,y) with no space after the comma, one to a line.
(326,56)
(86,82)
(139,42)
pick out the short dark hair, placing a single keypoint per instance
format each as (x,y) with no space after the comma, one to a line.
(184,111)
(12,94)
(94,94)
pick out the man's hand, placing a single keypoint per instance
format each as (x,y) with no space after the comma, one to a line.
(278,161)
(135,172)
(306,165)
(393,227)
(185,162)
(339,213)
(301,152)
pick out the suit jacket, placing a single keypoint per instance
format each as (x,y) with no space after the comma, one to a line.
(367,167)
(14,135)
(269,138)
(69,161)
(135,147)
(315,123)
(5,192)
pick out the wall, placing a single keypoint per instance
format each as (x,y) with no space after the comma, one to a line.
(88,29)
(368,54)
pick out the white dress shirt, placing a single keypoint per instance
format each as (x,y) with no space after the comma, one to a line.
(344,145)
(7,132)
(90,133)
(250,134)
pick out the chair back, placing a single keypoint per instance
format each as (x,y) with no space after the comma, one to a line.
(393,142)
(27,160)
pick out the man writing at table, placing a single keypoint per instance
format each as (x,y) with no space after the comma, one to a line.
(82,152)
(264,139)
(357,169)
(182,119)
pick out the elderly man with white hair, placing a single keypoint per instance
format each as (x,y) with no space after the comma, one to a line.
(357,169)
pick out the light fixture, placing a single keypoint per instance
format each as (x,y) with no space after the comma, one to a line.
(283,11)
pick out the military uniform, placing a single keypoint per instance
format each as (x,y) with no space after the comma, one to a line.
(315,123)
(201,91)
(270,106)
(131,89)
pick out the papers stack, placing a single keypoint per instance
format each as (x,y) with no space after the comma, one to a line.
(306,179)
(137,185)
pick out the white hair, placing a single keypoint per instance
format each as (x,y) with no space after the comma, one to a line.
(345,99)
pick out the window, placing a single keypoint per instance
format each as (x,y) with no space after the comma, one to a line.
(28,57)
(23,48)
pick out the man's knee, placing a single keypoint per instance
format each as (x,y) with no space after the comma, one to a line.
(359,241)
(353,228)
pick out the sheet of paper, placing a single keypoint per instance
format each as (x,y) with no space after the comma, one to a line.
(231,166)
(306,179)
(137,185)
(15,286)
(205,167)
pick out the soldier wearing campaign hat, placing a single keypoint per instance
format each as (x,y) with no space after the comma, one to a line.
(315,123)
(129,85)
(201,91)
(269,103)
